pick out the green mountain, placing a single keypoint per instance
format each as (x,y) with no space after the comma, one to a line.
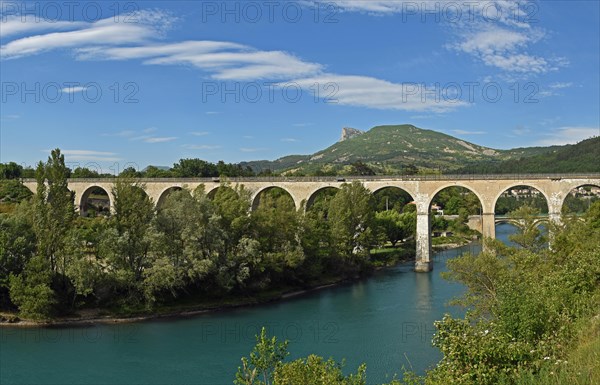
(581,157)
(401,148)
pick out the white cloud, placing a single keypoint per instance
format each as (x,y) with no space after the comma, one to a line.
(363,91)
(289,140)
(102,32)
(465,132)
(505,49)
(154,139)
(201,147)
(14,25)
(199,133)
(559,85)
(252,149)
(90,155)
(520,131)
(568,135)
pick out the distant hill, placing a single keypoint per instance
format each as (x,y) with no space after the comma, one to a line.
(581,157)
(397,148)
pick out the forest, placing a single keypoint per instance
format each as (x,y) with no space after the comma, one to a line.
(194,249)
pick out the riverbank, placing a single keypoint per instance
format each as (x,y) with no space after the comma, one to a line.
(99,316)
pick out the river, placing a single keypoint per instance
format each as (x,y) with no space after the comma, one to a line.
(385,321)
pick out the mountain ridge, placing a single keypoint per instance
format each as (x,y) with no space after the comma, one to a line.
(393,149)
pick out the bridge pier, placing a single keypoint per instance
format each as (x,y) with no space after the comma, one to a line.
(488,225)
(423,263)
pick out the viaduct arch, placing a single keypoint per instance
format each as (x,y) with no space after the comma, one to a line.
(488,188)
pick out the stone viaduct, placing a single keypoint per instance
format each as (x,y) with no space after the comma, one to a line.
(488,188)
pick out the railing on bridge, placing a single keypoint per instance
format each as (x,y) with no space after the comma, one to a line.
(341,179)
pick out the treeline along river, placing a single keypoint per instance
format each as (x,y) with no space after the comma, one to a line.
(385,321)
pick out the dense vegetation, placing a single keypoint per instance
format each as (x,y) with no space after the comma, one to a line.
(533,318)
(194,248)
(581,157)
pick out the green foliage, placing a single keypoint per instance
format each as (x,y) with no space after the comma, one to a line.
(352,222)
(453,199)
(266,367)
(128,242)
(265,359)
(581,157)
(10,170)
(394,226)
(13,191)
(317,371)
(530,235)
(31,290)
(17,246)
(54,210)
(526,306)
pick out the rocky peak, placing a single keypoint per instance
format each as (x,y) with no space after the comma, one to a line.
(348,132)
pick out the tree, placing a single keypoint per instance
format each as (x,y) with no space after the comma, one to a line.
(233,206)
(10,170)
(266,366)
(17,247)
(128,242)
(352,221)
(194,168)
(188,243)
(54,209)
(155,172)
(276,226)
(31,290)
(315,370)
(84,172)
(13,191)
(395,226)
(359,168)
(529,236)
(265,359)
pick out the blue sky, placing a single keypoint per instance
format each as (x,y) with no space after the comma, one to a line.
(136,83)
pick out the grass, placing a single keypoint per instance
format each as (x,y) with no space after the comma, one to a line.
(580,367)
(437,241)
(389,256)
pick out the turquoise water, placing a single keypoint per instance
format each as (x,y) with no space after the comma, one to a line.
(385,321)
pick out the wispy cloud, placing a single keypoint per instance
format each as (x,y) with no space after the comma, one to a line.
(465,132)
(154,139)
(15,25)
(105,32)
(521,131)
(223,60)
(252,149)
(568,135)
(289,140)
(375,93)
(199,133)
(201,147)
(559,85)
(10,117)
(90,155)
